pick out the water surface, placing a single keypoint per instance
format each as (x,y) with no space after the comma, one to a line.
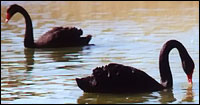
(129,33)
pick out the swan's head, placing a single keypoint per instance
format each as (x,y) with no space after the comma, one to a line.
(188,66)
(11,11)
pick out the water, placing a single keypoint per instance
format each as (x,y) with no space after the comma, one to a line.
(129,33)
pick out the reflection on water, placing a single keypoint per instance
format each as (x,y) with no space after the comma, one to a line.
(166,96)
(69,54)
(29,55)
(189,96)
(130,33)
(94,98)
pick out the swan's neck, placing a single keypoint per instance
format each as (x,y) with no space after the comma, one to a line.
(165,72)
(28,39)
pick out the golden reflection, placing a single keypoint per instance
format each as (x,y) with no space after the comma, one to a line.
(189,96)
(168,15)
(167,96)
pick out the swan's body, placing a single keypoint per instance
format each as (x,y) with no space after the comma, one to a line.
(55,38)
(117,78)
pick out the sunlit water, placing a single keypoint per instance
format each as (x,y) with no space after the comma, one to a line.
(129,33)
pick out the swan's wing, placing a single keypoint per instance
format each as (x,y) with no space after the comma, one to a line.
(118,73)
(60,34)
(125,77)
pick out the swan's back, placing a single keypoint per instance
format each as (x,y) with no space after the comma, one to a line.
(114,78)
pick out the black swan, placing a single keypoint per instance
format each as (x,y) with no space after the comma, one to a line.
(117,78)
(55,38)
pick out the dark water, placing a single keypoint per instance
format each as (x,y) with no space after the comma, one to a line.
(130,33)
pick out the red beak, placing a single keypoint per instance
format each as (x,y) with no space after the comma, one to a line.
(189,78)
(7,17)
